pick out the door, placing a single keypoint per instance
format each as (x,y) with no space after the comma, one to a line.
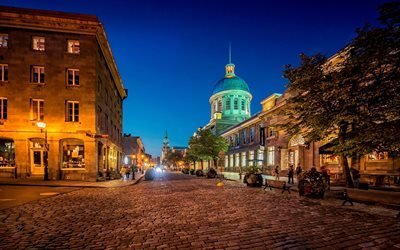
(37,163)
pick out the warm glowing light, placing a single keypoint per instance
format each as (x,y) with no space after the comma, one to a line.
(41,125)
(126,160)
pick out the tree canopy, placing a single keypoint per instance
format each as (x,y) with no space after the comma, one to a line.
(353,96)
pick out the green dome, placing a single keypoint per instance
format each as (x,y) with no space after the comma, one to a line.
(230,83)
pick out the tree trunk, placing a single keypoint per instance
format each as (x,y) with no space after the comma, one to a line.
(342,156)
(201,164)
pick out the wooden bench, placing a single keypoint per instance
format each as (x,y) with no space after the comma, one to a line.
(277,184)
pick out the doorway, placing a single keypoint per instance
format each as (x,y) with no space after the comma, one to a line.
(37,161)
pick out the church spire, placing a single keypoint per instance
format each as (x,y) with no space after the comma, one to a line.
(230,67)
(166,141)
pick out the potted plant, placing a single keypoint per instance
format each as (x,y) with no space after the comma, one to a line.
(253,177)
(311,184)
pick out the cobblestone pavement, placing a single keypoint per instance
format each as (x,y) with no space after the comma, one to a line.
(185,212)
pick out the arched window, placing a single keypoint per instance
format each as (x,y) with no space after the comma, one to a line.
(296,140)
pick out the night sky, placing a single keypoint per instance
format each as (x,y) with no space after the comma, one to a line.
(171,53)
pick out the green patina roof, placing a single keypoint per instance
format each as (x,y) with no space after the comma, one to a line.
(231,83)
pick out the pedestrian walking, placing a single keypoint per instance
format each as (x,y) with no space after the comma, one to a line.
(127,173)
(276,172)
(326,175)
(123,173)
(291,174)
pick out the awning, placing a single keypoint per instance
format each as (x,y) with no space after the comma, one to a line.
(328,149)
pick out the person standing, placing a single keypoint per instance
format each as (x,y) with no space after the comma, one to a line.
(298,171)
(291,174)
(276,171)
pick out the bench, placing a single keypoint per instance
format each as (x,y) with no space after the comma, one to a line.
(277,184)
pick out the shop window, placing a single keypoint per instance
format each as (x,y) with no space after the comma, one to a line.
(378,156)
(243,159)
(38,43)
(73,47)
(73,154)
(7,153)
(237,162)
(3,40)
(3,72)
(330,159)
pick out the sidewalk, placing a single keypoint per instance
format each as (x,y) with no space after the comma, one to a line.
(80,184)
(390,198)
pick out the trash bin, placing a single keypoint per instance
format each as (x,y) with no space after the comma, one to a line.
(363,186)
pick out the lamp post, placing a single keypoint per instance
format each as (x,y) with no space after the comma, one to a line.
(42,127)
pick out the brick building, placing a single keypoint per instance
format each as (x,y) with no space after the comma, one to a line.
(57,70)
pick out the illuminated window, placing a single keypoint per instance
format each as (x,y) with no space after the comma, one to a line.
(243,159)
(3,72)
(235,104)
(251,157)
(226,161)
(3,40)
(228,104)
(330,159)
(38,43)
(271,156)
(73,47)
(3,108)
(37,74)
(73,77)
(231,160)
(73,153)
(72,111)
(37,109)
(243,105)
(237,162)
(378,156)
(260,157)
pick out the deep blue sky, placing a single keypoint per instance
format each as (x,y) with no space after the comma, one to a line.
(170,53)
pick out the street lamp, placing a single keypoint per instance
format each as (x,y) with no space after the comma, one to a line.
(42,126)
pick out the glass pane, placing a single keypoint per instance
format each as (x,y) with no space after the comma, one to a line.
(37,159)
(6,73)
(70,77)
(77,77)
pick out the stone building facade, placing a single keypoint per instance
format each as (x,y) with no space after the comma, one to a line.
(58,69)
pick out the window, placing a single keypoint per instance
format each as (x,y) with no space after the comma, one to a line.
(260,157)
(237,140)
(330,159)
(3,40)
(3,108)
(37,74)
(251,157)
(37,106)
(237,162)
(73,153)
(235,104)
(243,105)
(73,77)
(7,153)
(3,72)
(73,46)
(220,105)
(244,136)
(252,134)
(231,160)
(72,111)
(38,43)
(271,132)
(228,104)
(378,156)
(226,163)
(271,156)
(243,159)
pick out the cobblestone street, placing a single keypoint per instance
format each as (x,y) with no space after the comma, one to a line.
(185,212)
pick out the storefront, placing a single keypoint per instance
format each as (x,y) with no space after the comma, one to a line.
(7,158)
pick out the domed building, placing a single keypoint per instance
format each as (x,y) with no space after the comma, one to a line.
(230,101)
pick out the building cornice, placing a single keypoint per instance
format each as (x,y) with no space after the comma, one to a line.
(54,21)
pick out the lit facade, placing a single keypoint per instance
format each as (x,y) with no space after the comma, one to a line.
(58,68)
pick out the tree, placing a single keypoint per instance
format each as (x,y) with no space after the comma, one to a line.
(173,158)
(353,97)
(206,146)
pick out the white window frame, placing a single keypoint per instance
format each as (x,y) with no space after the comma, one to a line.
(3,108)
(3,74)
(271,156)
(73,46)
(3,40)
(71,117)
(74,82)
(39,78)
(38,114)
(39,43)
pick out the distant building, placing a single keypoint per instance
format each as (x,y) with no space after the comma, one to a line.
(57,70)
(134,150)
(166,149)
